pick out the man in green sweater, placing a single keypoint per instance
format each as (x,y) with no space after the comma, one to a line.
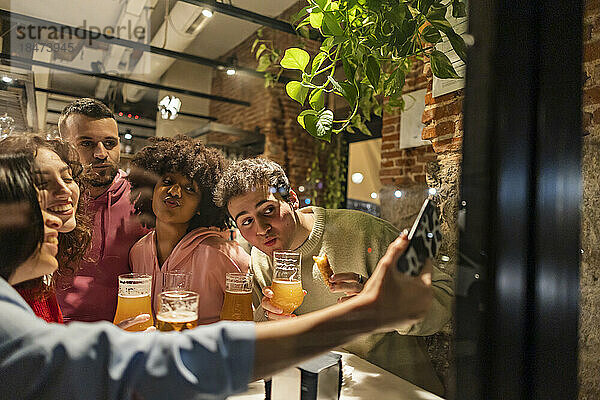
(266,210)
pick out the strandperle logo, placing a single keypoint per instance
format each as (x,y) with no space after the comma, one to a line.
(56,32)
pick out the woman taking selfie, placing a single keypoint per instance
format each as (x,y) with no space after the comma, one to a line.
(57,171)
(100,361)
(172,181)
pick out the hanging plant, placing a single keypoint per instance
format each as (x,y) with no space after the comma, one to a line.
(374,42)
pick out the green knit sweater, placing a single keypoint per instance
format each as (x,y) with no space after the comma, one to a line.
(354,242)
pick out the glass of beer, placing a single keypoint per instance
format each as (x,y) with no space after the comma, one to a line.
(177,310)
(237,305)
(287,282)
(134,299)
(176,281)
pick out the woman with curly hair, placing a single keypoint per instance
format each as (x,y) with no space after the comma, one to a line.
(57,172)
(172,181)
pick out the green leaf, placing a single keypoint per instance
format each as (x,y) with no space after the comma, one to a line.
(335,84)
(349,68)
(396,15)
(431,34)
(459,10)
(299,15)
(296,91)
(316,20)
(261,48)
(264,62)
(441,66)
(373,71)
(295,58)
(318,61)
(332,25)
(349,92)
(458,44)
(317,100)
(395,82)
(320,125)
(423,5)
(437,17)
(321,3)
(254,45)
(301,116)
(327,44)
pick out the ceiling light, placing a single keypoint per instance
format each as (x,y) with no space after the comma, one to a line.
(169,107)
(357,177)
(128,136)
(301,189)
(432,191)
(373,195)
(398,193)
(207,13)
(7,79)
(230,71)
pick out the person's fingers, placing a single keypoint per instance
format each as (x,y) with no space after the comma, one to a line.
(267,291)
(346,287)
(344,276)
(426,272)
(391,256)
(129,322)
(268,306)
(345,298)
(277,316)
(304,292)
(150,329)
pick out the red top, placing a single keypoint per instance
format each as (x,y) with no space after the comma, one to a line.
(44,306)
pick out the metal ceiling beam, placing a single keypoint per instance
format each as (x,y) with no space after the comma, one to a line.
(115,78)
(246,15)
(137,45)
(77,96)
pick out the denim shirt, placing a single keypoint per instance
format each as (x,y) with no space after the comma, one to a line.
(100,361)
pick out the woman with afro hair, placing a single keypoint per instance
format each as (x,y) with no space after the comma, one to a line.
(172,180)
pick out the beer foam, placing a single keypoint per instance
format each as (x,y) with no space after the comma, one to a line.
(177,316)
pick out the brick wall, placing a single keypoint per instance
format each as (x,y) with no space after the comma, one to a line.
(589,335)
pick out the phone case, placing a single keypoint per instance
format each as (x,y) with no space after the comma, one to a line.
(424,239)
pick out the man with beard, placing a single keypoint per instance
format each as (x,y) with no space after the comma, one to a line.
(91,294)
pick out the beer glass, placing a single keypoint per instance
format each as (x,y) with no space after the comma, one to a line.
(134,299)
(177,310)
(176,281)
(237,305)
(287,282)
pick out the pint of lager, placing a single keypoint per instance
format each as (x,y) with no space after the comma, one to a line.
(134,299)
(287,282)
(177,310)
(237,305)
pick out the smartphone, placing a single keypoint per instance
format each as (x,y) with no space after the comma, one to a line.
(424,240)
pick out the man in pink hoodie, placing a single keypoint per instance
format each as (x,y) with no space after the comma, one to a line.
(91,295)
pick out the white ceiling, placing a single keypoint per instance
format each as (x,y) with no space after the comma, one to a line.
(220,34)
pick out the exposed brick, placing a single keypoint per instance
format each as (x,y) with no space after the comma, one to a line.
(402,180)
(441,129)
(587,118)
(416,169)
(591,95)
(591,6)
(389,146)
(391,154)
(427,157)
(427,116)
(386,164)
(452,144)
(390,171)
(405,162)
(591,51)
(420,178)
(388,180)
(390,128)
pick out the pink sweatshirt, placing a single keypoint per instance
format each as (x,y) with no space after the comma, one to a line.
(92,294)
(206,254)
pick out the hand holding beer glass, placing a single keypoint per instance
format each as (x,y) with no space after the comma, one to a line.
(177,310)
(287,281)
(134,299)
(237,305)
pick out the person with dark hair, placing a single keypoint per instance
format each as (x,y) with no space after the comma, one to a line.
(100,361)
(259,198)
(57,179)
(172,180)
(91,294)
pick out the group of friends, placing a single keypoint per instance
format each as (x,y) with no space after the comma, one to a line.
(75,222)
